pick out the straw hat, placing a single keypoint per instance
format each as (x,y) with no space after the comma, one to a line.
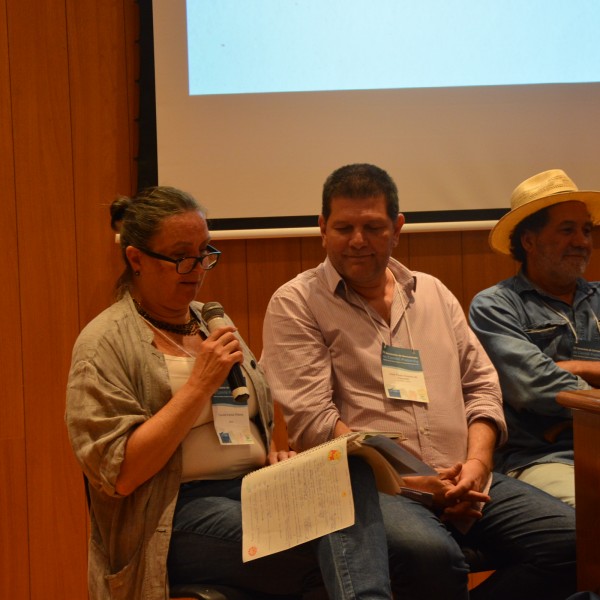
(537,192)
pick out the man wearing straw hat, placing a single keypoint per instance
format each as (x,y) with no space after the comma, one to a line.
(540,327)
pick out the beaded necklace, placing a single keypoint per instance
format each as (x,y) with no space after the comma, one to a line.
(192,327)
(171,341)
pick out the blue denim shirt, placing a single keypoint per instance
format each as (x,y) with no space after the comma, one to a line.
(525,332)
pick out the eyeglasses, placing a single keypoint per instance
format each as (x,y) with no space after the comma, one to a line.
(187,264)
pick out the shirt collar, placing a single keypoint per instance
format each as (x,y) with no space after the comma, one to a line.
(522,284)
(405,278)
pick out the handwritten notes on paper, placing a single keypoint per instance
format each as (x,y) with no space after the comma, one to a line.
(296,500)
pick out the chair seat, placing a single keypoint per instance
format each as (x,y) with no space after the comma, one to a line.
(201,591)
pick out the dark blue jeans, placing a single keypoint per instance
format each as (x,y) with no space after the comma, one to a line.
(206,546)
(527,536)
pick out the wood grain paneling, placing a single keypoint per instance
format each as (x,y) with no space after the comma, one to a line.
(586,426)
(227,283)
(11,412)
(440,255)
(312,252)
(99,93)
(481,266)
(593,270)
(15,531)
(43,158)
(14,543)
(585,405)
(271,263)
(100,111)
(130,30)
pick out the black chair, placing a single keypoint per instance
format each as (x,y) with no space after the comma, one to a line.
(201,591)
(475,558)
(206,592)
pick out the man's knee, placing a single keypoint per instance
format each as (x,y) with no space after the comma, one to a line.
(556,479)
(425,555)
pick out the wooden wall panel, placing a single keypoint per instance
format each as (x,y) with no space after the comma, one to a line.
(11,413)
(48,290)
(227,283)
(482,267)
(270,263)
(593,271)
(438,254)
(99,93)
(312,252)
(14,547)
(130,30)
(13,485)
(99,96)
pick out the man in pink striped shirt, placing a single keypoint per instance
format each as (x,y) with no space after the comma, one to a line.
(333,339)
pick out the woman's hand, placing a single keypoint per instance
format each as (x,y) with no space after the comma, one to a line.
(217,354)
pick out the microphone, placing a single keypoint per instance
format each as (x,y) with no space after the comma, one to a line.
(213,313)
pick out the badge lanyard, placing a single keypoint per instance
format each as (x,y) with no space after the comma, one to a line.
(584,350)
(565,319)
(403,377)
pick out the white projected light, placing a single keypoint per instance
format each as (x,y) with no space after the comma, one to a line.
(259,100)
(259,46)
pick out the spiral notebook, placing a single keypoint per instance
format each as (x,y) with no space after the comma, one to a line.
(309,495)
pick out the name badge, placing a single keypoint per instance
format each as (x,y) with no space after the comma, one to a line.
(403,376)
(231,418)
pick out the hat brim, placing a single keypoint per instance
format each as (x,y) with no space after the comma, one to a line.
(499,238)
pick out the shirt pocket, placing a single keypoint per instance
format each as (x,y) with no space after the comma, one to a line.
(547,334)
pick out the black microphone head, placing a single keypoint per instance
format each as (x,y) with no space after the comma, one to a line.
(210,310)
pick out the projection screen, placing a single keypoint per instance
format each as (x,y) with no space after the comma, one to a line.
(259,100)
